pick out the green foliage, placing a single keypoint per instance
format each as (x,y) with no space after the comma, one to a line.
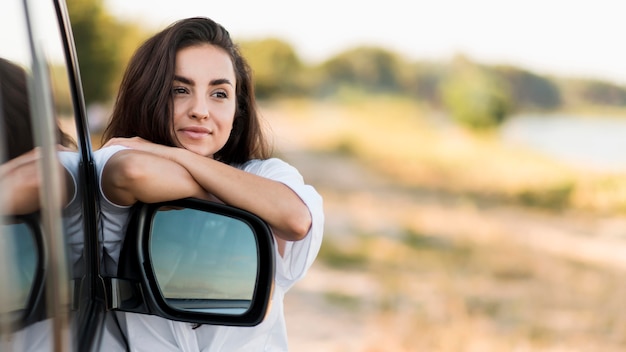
(343,300)
(421,241)
(95,46)
(371,69)
(529,90)
(275,65)
(62,95)
(102,46)
(347,147)
(474,97)
(604,93)
(593,92)
(423,81)
(338,256)
(557,197)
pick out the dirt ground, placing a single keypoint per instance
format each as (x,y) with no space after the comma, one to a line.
(357,198)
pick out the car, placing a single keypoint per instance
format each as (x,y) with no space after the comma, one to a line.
(51,281)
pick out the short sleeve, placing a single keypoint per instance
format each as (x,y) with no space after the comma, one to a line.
(299,255)
(101,157)
(70,161)
(113,217)
(72,213)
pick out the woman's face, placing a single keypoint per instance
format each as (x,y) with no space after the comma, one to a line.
(204,98)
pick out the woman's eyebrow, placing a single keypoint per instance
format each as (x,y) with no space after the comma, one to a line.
(184,80)
(214,82)
(217,82)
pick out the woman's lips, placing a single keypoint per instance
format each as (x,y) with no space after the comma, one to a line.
(195,132)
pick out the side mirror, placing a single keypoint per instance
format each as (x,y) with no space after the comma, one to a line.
(21,271)
(195,261)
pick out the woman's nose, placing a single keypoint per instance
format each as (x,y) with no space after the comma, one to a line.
(200,109)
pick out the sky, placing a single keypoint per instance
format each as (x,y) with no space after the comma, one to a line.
(563,37)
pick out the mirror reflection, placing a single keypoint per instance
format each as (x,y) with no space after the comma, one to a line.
(19,154)
(203,261)
(22,115)
(20,258)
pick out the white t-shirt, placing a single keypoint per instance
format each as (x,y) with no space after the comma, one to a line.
(153,333)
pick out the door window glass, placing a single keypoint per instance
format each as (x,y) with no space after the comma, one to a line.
(21,119)
(18,252)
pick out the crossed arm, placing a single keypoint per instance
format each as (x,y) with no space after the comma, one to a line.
(21,180)
(151,173)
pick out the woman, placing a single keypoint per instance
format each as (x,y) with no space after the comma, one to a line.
(186,124)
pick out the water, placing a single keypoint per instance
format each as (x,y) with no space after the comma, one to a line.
(597,143)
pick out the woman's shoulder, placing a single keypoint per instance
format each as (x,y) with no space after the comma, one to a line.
(270,162)
(268,167)
(105,153)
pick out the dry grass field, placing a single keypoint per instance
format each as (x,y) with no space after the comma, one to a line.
(442,240)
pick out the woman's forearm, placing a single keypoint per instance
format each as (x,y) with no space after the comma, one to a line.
(273,201)
(132,175)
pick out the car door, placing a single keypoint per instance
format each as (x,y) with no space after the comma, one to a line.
(48,296)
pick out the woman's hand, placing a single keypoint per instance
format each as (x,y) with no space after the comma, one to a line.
(29,157)
(135,174)
(137,143)
(62,148)
(22,179)
(144,145)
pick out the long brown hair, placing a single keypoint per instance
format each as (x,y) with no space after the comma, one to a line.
(144,105)
(15,111)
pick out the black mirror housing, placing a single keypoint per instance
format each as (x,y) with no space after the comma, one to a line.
(195,261)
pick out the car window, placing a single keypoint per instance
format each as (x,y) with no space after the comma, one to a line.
(45,29)
(46,33)
(34,94)
(17,271)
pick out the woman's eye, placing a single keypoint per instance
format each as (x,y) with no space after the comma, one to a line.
(220,94)
(179,90)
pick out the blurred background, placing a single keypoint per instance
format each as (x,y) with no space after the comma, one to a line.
(471,155)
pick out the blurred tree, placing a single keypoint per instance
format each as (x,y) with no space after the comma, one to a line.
(102,46)
(602,93)
(276,67)
(61,88)
(529,91)
(473,96)
(369,68)
(584,93)
(423,80)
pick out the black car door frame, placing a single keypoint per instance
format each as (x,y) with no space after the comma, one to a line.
(89,293)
